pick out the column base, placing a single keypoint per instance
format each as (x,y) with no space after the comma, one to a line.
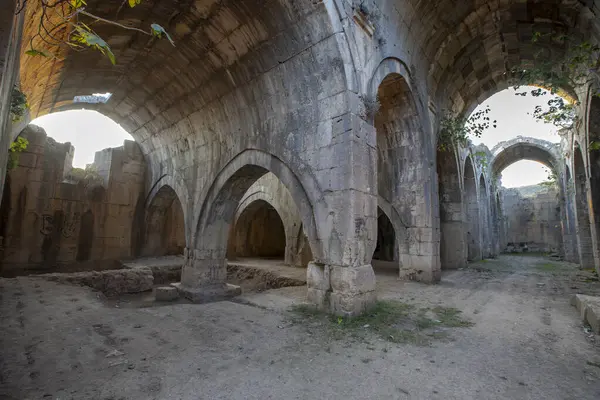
(207,294)
(345,291)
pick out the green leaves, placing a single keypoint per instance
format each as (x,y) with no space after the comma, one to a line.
(16,147)
(158,31)
(457,130)
(18,104)
(578,67)
(77,3)
(594,146)
(86,37)
(81,35)
(34,52)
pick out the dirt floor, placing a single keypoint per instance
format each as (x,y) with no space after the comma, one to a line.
(527,342)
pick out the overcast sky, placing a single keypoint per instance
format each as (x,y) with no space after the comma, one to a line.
(511,112)
(90,131)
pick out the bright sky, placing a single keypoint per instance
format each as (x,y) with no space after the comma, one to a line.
(88,131)
(511,112)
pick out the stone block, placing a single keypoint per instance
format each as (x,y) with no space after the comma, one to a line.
(317,277)
(166,293)
(320,298)
(351,304)
(589,310)
(352,280)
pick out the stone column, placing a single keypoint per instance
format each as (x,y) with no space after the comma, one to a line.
(343,281)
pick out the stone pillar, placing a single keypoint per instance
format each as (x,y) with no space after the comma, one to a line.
(203,277)
(584,232)
(11,27)
(342,281)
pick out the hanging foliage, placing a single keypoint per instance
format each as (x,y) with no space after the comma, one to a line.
(72,17)
(15,149)
(578,67)
(458,130)
(18,104)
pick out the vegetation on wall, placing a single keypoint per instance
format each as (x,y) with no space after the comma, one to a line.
(67,23)
(15,149)
(577,68)
(457,129)
(18,104)
(481,159)
(551,181)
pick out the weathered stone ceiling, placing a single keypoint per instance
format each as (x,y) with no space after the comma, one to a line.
(473,44)
(220,45)
(469,46)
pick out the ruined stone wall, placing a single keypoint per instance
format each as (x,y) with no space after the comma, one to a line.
(533,219)
(49,223)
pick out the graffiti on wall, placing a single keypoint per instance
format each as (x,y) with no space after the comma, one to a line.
(68,228)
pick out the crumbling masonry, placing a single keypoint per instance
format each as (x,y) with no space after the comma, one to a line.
(323,114)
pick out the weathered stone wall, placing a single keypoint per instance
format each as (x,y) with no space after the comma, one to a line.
(533,219)
(49,222)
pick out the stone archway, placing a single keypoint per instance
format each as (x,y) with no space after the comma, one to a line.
(472,221)
(551,234)
(258,233)
(164,225)
(403,175)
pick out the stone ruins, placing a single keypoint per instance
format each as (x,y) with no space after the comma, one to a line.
(303,131)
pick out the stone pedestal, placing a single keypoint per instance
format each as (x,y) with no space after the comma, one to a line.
(341,290)
(203,278)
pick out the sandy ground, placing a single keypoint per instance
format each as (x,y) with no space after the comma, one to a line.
(67,342)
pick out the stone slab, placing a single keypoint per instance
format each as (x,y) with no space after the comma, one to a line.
(166,293)
(589,310)
(208,294)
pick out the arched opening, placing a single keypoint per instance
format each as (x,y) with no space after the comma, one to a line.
(404,177)
(206,265)
(386,249)
(258,233)
(532,203)
(164,225)
(584,233)
(484,214)
(473,233)
(452,237)
(594,154)
(392,124)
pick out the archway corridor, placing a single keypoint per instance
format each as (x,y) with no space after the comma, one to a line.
(304,210)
